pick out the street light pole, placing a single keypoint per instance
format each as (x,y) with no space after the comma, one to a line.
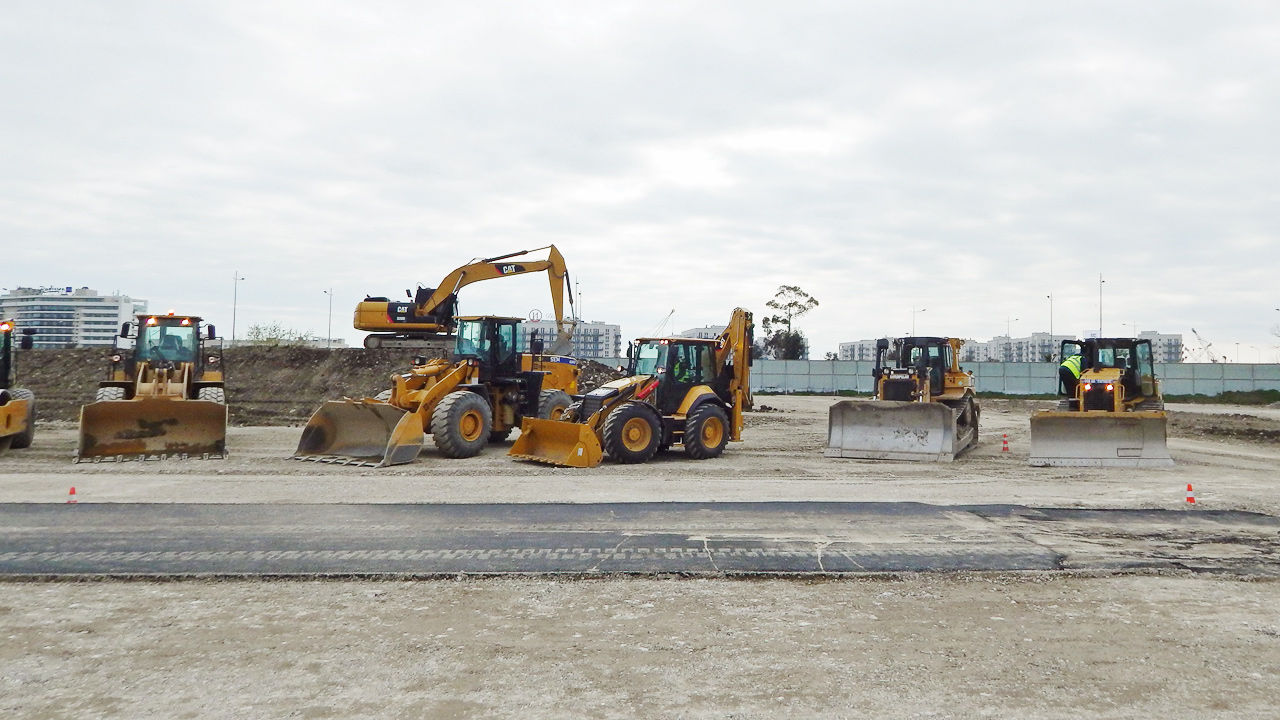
(1008,333)
(913,318)
(235,295)
(1053,344)
(328,342)
(1100,281)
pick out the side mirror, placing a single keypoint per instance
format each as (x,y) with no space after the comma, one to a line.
(124,329)
(631,348)
(213,332)
(27,342)
(882,344)
(408,294)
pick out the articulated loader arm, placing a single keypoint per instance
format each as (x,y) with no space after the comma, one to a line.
(733,350)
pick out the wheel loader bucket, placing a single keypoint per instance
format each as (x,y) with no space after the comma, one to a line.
(361,432)
(892,430)
(558,443)
(1105,439)
(152,427)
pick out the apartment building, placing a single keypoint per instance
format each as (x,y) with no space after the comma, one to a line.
(69,317)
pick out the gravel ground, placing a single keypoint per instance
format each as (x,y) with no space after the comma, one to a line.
(929,646)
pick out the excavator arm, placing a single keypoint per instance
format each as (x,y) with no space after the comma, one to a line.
(733,352)
(432,310)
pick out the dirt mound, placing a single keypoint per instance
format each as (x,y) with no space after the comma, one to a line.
(1234,426)
(595,374)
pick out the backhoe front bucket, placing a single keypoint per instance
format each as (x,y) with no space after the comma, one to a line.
(558,443)
(893,430)
(1105,439)
(361,432)
(152,427)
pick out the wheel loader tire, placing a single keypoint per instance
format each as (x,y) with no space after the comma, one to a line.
(631,434)
(552,404)
(706,432)
(213,394)
(24,438)
(498,436)
(461,423)
(110,393)
(384,396)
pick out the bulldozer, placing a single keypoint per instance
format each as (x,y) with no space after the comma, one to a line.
(478,396)
(17,405)
(685,391)
(924,409)
(426,320)
(163,398)
(1114,417)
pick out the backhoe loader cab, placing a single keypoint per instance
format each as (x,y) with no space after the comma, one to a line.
(925,407)
(17,405)
(164,397)
(1115,416)
(478,396)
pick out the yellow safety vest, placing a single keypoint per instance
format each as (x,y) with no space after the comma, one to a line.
(1073,364)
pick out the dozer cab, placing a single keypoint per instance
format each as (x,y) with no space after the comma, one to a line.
(163,398)
(478,396)
(1113,417)
(685,391)
(924,409)
(17,405)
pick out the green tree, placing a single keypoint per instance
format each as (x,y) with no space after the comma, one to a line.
(276,334)
(782,340)
(791,302)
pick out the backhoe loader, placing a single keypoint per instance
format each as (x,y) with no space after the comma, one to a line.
(683,391)
(924,409)
(163,398)
(427,319)
(1115,415)
(17,405)
(478,396)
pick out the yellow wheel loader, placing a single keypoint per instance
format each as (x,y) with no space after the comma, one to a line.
(427,319)
(17,405)
(925,407)
(685,391)
(477,397)
(163,398)
(1113,417)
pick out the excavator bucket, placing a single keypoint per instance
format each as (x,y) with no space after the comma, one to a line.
(361,432)
(558,443)
(893,430)
(152,427)
(1072,439)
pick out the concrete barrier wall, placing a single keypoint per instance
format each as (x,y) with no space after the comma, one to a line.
(829,376)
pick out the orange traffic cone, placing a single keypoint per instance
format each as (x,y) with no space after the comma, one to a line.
(1006,443)
(1191,495)
(71,498)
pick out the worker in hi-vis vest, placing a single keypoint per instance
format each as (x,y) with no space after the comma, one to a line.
(1069,372)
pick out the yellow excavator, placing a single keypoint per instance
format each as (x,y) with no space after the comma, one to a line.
(1113,417)
(164,398)
(925,406)
(427,319)
(477,397)
(680,390)
(17,405)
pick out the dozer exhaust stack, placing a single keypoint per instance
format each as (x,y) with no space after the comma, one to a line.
(361,432)
(894,430)
(1073,439)
(152,427)
(555,442)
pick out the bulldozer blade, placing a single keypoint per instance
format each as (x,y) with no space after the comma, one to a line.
(893,430)
(361,432)
(1075,439)
(152,427)
(558,443)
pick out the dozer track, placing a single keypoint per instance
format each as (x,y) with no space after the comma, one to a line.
(152,428)
(896,430)
(1099,439)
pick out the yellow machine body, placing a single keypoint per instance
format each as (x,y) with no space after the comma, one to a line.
(17,405)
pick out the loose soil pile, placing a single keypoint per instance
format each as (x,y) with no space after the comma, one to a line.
(1234,426)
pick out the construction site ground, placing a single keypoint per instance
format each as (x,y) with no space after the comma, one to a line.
(1078,644)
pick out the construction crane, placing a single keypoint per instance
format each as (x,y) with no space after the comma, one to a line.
(1206,347)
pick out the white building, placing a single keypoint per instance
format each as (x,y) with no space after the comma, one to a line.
(710,332)
(861,350)
(67,317)
(1166,348)
(590,339)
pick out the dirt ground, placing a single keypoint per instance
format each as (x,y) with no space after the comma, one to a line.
(921,646)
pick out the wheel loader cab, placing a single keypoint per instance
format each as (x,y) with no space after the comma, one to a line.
(492,342)
(162,341)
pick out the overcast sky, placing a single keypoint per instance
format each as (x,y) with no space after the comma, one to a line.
(966,158)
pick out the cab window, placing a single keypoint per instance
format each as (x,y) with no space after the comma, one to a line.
(170,343)
(472,340)
(648,358)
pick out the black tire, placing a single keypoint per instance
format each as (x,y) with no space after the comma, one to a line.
(111,392)
(706,432)
(552,404)
(24,438)
(631,434)
(212,394)
(461,423)
(497,436)
(571,412)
